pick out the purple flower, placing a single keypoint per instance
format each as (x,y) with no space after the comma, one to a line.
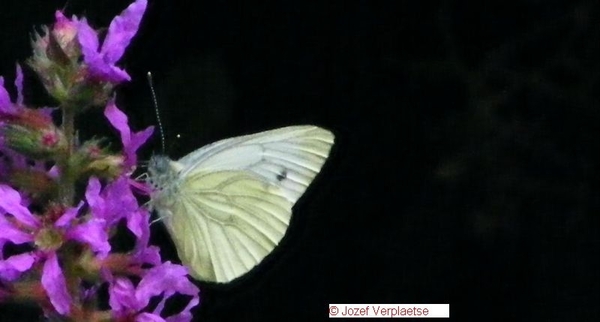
(52,278)
(117,201)
(131,140)
(90,232)
(114,202)
(101,60)
(164,280)
(25,227)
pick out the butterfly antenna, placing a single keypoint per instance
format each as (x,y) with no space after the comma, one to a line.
(160,126)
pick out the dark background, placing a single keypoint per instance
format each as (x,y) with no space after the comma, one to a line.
(466,164)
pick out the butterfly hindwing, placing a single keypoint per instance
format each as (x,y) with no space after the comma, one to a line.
(232,221)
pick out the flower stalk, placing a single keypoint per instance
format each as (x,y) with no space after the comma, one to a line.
(66,259)
(67,183)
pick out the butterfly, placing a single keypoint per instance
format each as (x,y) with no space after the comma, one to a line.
(228,204)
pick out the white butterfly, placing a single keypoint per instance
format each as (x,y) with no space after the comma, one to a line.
(228,204)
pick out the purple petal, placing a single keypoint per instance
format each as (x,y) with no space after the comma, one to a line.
(185,315)
(62,22)
(118,120)
(54,172)
(6,105)
(13,267)
(94,234)
(122,295)
(121,30)
(120,201)
(138,224)
(116,200)
(17,160)
(137,139)
(173,280)
(106,72)
(106,274)
(98,67)
(161,305)
(19,85)
(10,202)
(88,39)
(12,233)
(89,294)
(55,285)
(69,215)
(131,141)
(168,278)
(60,18)
(142,252)
(142,188)
(94,200)
(165,279)
(147,255)
(148,317)
(21,262)
(47,111)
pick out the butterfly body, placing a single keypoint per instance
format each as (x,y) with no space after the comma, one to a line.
(227,205)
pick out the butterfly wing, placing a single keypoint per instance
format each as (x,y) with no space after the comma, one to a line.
(236,197)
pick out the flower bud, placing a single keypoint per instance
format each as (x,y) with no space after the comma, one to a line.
(64,37)
(31,133)
(31,143)
(36,182)
(92,160)
(108,167)
(74,66)
(56,56)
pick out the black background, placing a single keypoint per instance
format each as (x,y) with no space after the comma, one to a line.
(466,164)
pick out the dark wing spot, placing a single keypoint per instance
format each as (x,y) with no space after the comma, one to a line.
(282,175)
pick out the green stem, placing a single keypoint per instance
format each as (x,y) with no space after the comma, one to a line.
(67,179)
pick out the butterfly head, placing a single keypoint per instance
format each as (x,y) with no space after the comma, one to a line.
(163,176)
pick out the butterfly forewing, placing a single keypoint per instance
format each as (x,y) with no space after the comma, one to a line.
(233,200)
